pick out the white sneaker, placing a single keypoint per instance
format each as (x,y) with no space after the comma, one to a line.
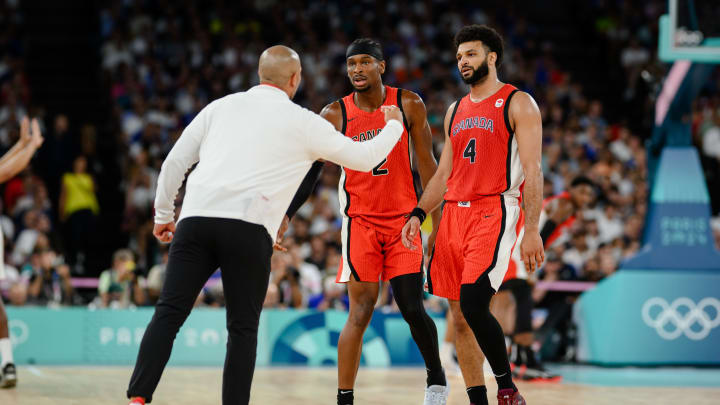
(436,395)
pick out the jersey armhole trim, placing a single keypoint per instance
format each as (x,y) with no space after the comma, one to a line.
(402,111)
(344,115)
(506,112)
(511,134)
(452,117)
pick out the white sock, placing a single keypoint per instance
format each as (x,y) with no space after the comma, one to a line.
(5,352)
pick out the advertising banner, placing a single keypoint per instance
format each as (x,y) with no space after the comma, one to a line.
(285,337)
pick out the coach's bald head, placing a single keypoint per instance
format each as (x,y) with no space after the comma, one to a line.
(280,66)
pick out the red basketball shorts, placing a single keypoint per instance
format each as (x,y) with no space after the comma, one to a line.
(475,238)
(369,255)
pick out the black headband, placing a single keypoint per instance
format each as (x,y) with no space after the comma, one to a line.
(364,48)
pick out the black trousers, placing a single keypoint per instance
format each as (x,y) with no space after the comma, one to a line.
(242,251)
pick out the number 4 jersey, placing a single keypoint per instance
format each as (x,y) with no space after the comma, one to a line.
(485,153)
(379,198)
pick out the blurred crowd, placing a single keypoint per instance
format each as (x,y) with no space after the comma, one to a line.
(163,61)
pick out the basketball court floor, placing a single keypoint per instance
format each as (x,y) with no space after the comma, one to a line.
(49,385)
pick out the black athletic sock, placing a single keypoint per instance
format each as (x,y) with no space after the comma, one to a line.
(436,377)
(345,397)
(505,382)
(477,395)
(475,305)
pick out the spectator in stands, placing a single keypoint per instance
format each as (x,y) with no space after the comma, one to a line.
(33,237)
(334,296)
(50,283)
(286,280)
(35,198)
(156,277)
(310,275)
(318,251)
(140,195)
(121,286)
(78,208)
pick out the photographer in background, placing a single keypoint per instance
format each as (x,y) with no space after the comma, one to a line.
(285,279)
(50,282)
(122,285)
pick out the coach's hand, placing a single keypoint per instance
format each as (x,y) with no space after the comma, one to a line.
(164,232)
(531,251)
(392,112)
(410,231)
(281,232)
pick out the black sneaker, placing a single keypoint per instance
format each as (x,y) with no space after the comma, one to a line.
(537,373)
(9,376)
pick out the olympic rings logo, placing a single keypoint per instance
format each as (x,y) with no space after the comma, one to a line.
(682,322)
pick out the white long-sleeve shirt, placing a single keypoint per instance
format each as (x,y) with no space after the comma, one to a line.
(253,149)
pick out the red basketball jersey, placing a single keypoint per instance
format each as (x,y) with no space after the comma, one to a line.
(379,198)
(485,153)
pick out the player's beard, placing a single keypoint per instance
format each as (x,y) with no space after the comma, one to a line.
(479,74)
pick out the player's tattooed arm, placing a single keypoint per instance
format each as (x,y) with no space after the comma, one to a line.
(527,124)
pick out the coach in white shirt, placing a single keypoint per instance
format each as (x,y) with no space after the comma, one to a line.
(252,151)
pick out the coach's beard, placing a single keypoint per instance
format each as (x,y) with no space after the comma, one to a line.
(478,75)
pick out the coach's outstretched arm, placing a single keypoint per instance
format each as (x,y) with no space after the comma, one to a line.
(435,189)
(525,115)
(326,143)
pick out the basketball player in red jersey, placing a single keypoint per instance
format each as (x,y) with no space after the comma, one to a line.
(557,215)
(492,150)
(374,207)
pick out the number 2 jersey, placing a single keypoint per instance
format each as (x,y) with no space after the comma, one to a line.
(379,198)
(486,161)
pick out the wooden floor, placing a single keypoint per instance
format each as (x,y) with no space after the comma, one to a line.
(306,386)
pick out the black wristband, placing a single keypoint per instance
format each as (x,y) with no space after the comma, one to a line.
(417,212)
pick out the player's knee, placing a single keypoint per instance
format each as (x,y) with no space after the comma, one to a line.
(360,314)
(474,305)
(470,313)
(413,313)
